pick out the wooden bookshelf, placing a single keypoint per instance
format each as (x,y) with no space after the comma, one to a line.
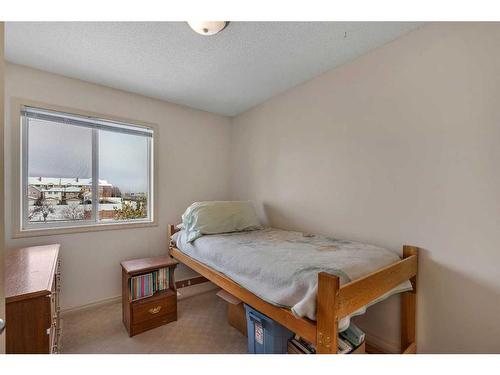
(149,312)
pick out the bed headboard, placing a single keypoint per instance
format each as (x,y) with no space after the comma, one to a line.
(171,229)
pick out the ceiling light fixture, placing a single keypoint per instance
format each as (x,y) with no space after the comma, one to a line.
(208,27)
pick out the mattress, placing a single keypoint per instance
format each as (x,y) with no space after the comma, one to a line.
(281,267)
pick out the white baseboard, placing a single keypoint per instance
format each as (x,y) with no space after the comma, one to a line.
(182,293)
(381,343)
(102,302)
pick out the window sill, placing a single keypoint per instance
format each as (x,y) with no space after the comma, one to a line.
(36,232)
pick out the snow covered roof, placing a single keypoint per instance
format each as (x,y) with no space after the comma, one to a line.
(65,181)
(67,189)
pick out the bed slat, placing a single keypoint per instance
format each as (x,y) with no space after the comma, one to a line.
(359,293)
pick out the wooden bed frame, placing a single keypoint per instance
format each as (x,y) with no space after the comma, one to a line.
(333,301)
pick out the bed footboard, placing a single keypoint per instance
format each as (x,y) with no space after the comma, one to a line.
(334,302)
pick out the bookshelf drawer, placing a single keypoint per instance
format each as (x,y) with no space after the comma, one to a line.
(152,323)
(154,308)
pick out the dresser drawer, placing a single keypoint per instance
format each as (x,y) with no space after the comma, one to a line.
(151,309)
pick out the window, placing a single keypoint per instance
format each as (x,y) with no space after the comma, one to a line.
(84,171)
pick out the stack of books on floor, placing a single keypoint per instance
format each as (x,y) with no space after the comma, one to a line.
(350,339)
(297,345)
(143,286)
(347,341)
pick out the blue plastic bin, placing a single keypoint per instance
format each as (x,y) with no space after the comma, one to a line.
(265,336)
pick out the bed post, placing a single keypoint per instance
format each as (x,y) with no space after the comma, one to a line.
(326,313)
(409,310)
(170,232)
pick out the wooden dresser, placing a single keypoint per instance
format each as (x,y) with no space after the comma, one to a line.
(32,284)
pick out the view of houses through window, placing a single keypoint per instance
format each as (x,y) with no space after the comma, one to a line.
(52,199)
(62,156)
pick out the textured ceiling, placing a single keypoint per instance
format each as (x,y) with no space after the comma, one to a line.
(228,73)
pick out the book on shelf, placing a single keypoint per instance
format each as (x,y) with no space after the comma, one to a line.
(163,276)
(143,286)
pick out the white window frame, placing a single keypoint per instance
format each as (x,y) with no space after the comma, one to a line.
(24,228)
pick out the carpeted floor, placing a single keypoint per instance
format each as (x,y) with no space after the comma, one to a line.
(201,328)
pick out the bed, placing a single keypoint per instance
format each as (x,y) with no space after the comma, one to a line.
(308,283)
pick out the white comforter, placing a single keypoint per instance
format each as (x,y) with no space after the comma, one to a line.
(282,267)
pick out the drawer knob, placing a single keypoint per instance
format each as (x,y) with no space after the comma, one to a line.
(155,310)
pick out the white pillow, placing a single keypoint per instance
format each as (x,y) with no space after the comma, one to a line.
(214,217)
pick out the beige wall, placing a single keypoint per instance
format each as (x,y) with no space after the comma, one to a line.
(398,146)
(91,261)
